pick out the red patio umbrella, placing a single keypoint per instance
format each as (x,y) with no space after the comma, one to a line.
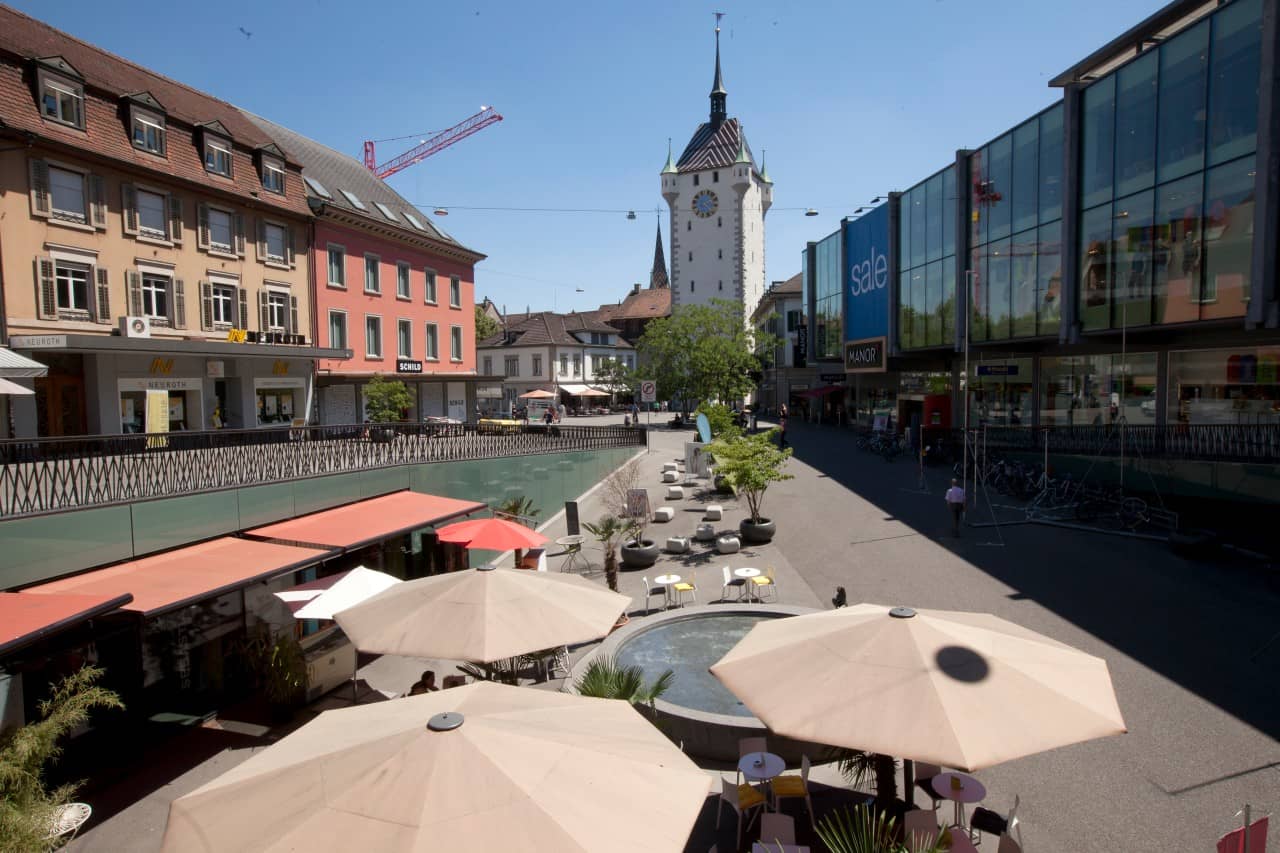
(491,534)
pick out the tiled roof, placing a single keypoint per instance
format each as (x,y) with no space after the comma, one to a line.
(640,305)
(108,78)
(710,149)
(791,285)
(547,327)
(339,174)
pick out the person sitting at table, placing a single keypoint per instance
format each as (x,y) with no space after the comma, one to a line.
(427,684)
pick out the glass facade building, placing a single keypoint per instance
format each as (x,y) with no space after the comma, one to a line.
(1015,206)
(1167,178)
(828,300)
(926,263)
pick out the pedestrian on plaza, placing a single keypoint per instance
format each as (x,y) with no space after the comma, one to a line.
(955,502)
(427,684)
(782,431)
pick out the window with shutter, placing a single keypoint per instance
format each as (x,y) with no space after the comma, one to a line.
(288,247)
(103,306)
(175,219)
(46,292)
(129,208)
(206,306)
(293,316)
(264,312)
(98,201)
(40,202)
(202,225)
(133,284)
(239,234)
(260,251)
(243,298)
(179,304)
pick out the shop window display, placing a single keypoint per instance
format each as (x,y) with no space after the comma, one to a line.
(1225,386)
(1097,390)
(1001,393)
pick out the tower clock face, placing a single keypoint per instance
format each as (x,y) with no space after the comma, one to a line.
(705,203)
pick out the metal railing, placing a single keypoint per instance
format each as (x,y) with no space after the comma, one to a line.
(1249,443)
(50,474)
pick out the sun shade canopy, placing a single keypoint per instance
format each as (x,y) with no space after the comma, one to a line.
(185,575)
(26,618)
(366,522)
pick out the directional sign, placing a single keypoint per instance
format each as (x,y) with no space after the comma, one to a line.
(648,391)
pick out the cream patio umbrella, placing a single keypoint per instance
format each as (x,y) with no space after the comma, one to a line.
(484,767)
(963,690)
(537,394)
(482,615)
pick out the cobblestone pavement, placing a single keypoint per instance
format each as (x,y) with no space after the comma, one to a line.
(1185,643)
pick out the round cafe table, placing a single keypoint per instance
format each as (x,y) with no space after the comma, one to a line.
(761,767)
(970,790)
(572,545)
(666,582)
(747,573)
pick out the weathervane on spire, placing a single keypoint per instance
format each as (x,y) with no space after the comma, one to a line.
(718,15)
(718,93)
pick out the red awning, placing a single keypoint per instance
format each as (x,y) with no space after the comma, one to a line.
(823,391)
(358,524)
(185,575)
(24,618)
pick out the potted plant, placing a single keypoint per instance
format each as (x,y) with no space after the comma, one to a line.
(749,463)
(605,678)
(609,531)
(280,668)
(625,498)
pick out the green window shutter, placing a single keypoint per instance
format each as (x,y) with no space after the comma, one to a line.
(179,304)
(103,303)
(98,201)
(129,208)
(46,290)
(41,202)
(175,219)
(206,306)
(133,284)
(202,225)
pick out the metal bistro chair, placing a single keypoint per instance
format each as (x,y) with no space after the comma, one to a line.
(777,829)
(791,786)
(651,591)
(743,798)
(689,586)
(68,820)
(767,581)
(739,584)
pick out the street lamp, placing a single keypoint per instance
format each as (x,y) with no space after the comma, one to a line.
(969,277)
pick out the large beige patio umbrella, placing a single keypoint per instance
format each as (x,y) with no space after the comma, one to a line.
(963,690)
(482,615)
(478,768)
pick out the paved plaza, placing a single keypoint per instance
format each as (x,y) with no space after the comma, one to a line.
(1186,643)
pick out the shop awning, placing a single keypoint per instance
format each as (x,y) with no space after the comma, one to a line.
(25,618)
(161,346)
(364,523)
(14,366)
(13,388)
(573,389)
(185,575)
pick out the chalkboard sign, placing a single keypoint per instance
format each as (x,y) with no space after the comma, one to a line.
(571,518)
(638,503)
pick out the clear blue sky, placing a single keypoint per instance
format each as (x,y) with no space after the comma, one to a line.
(850,99)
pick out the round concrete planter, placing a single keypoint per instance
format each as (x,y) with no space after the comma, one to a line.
(757,534)
(640,555)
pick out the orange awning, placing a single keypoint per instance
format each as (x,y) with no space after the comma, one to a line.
(24,618)
(184,575)
(363,523)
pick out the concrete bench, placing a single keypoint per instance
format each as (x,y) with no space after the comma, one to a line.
(670,466)
(715,512)
(670,476)
(675,493)
(705,533)
(664,513)
(728,545)
(677,545)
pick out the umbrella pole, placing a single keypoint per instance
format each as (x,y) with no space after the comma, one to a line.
(909,782)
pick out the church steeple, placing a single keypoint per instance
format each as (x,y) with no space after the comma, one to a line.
(658,276)
(719,112)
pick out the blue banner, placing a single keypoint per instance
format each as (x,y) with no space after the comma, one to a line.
(866,252)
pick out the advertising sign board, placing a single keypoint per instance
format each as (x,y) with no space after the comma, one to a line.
(866,252)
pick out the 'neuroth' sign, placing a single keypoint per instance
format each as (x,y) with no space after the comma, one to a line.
(866,252)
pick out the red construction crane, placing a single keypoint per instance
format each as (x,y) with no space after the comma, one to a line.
(439,142)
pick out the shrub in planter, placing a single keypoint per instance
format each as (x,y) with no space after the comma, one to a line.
(639,553)
(749,463)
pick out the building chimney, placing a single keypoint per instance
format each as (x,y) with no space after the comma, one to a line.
(635,288)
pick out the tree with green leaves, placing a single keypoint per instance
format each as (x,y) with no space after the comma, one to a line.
(614,376)
(750,463)
(605,678)
(486,326)
(703,352)
(611,531)
(27,807)
(385,399)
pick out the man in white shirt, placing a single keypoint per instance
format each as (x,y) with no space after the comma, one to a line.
(955,502)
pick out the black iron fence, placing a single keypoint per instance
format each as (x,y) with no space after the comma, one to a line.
(1247,443)
(48,474)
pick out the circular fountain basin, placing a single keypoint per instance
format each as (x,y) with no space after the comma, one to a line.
(697,711)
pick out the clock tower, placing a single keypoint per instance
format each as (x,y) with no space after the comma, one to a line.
(718,199)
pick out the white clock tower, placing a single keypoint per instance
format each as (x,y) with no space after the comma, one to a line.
(718,199)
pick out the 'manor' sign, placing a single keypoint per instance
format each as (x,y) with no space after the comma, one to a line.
(866,251)
(865,356)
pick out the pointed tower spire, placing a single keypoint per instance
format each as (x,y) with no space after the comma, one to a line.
(718,94)
(658,276)
(743,156)
(764,168)
(670,168)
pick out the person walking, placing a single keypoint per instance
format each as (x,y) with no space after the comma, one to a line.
(782,431)
(955,502)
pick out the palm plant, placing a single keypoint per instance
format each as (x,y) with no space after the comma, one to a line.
(519,508)
(864,830)
(609,531)
(605,678)
(859,767)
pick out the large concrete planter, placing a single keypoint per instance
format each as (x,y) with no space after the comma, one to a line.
(641,554)
(757,534)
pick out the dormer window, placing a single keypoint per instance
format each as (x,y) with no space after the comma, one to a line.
(272,175)
(61,99)
(148,131)
(217,155)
